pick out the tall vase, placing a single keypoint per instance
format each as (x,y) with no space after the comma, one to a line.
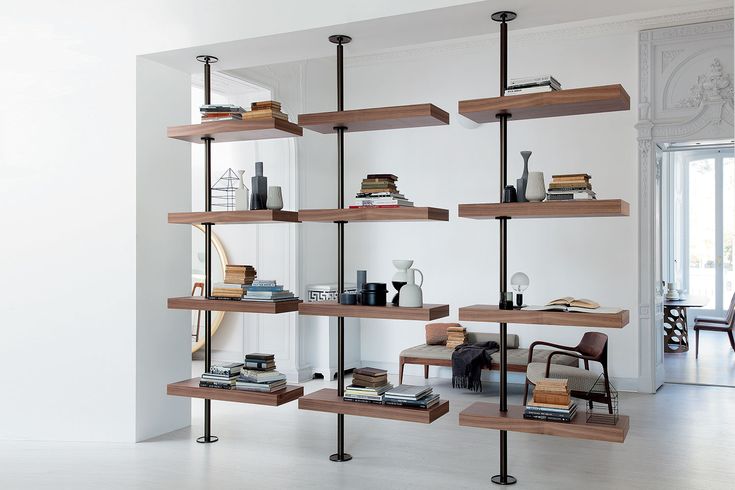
(522,183)
(259,184)
(535,188)
(242,196)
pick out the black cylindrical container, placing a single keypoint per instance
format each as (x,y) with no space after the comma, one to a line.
(374,294)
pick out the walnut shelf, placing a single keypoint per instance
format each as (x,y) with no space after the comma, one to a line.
(327,400)
(259,216)
(331,308)
(493,314)
(488,416)
(245,130)
(589,100)
(593,208)
(201,303)
(406,116)
(190,388)
(374,214)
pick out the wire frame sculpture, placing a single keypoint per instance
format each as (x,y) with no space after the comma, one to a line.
(223,191)
(598,411)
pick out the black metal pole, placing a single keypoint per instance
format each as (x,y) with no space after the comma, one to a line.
(340,40)
(207,437)
(503,478)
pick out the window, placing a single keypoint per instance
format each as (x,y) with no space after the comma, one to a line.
(701,224)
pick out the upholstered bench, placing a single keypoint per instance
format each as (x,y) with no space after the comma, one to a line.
(440,355)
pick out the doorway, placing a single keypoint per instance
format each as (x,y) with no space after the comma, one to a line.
(698,237)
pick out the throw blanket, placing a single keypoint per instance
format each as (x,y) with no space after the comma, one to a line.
(467,363)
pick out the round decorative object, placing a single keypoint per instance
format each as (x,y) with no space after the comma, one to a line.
(206,58)
(340,39)
(504,16)
(217,316)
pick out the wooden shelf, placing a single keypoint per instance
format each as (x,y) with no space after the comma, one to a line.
(374,214)
(493,314)
(550,209)
(190,388)
(589,100)
(326,400)
(332,308)
(259,216)
(200,303)
(246,130)
(488,416)
(405,116)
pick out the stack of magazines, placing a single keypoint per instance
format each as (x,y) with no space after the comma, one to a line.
(551,402)
(411,396)
(532,85)
(221,375)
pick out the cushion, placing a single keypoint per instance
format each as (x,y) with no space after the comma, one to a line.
(436,333)
(580,379)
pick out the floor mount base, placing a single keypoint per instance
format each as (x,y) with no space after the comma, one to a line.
(343,459)
(207,440)
(499,480)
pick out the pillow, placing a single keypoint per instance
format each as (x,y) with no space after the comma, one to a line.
(436,333)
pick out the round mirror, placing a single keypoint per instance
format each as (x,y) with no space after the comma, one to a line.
(219,260)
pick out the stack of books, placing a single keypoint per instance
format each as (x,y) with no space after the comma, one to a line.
(259,374)
(266,109)
(551,402)
(266,290)
(380,191)
(221,112)
(568,187)
(532,85)
(237,277)
(221,375)
(368,385)
(411,396)
(456,336)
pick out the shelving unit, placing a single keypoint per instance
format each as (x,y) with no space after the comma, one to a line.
(340,122)
(593,208)
(398,117)
(493,314)
(227,131)
(374,214)
(207,133)
(569,102)
(427,312)
(190,388)
(258,216)
(518,107)
(199,303)
(327,400)
(489,416)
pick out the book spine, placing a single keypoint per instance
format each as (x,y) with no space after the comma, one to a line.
(360,400)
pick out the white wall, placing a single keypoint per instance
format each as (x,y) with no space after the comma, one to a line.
(67,161)
(444,166)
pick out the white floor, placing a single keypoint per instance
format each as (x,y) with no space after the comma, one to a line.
(715,366)
(681,438)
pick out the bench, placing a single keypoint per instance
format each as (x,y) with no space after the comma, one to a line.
(440,355)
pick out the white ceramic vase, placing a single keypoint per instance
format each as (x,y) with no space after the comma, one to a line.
(242,195)
(411,295)
(275,198)
(535,187)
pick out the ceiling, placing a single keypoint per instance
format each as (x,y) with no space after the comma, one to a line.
(385,33)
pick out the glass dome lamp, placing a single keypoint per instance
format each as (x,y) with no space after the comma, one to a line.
(519,282)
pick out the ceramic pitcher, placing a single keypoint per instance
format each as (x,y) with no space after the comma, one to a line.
(411,294)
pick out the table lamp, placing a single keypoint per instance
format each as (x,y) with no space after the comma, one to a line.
(519,282)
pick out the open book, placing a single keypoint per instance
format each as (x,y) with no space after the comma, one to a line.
(579,305)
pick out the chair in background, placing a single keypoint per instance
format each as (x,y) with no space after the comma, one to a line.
(200,286)
(715,324)
(592,347)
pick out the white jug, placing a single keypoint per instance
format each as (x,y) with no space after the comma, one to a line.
(411,295)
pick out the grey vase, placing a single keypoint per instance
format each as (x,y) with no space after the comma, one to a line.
(258,188)
(522,183)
